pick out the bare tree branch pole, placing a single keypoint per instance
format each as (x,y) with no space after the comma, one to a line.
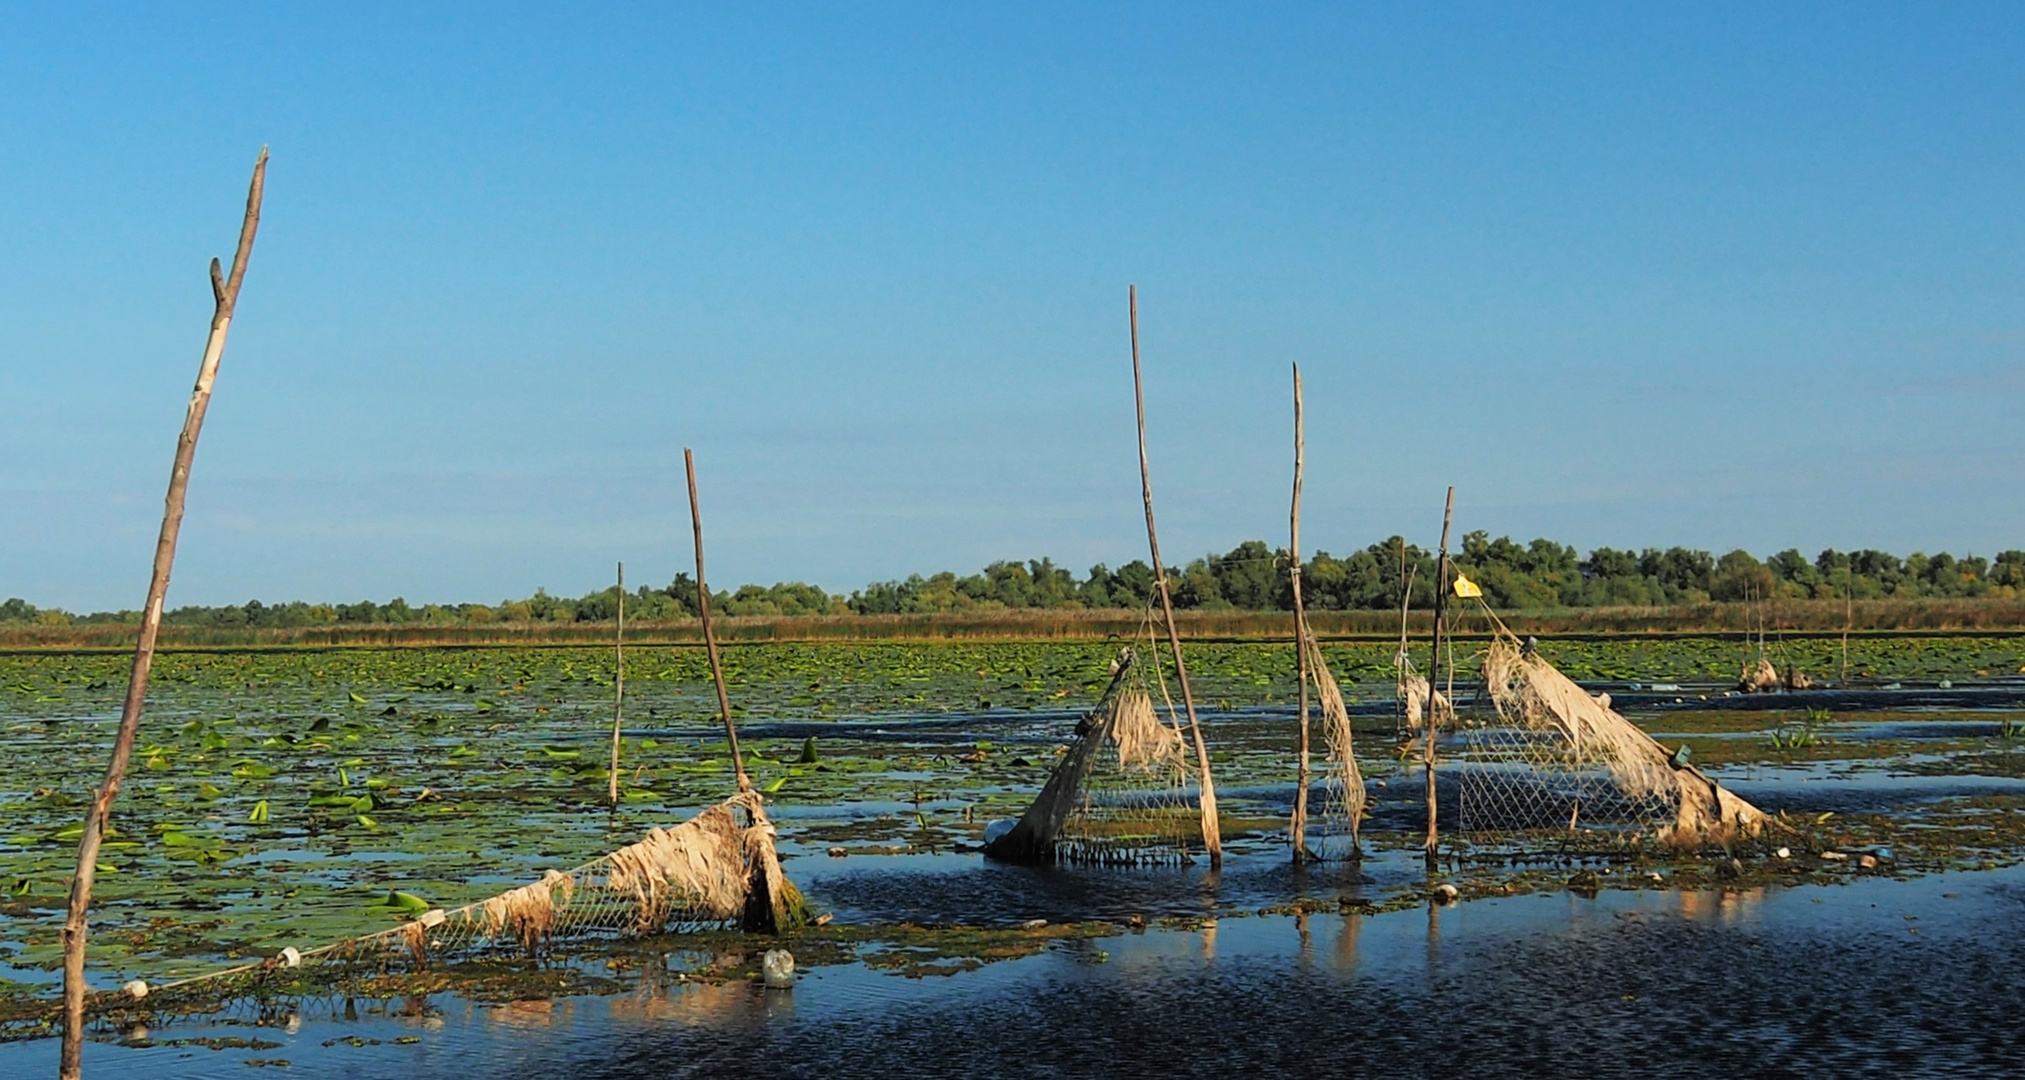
(1405,600)
(709,635)
(1434,695)
(618,685)
(1212,835)
(1297,828)
(225,297)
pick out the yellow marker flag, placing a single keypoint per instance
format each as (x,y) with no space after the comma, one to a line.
(1465,588)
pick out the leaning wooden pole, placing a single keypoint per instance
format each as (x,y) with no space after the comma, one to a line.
(1212,836)
(1434,694)
(709,634)
(225,297)
(618,684)
(1297,828)
(772,903)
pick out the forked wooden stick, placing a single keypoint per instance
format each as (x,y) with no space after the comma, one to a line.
(1212,836)
(225,296)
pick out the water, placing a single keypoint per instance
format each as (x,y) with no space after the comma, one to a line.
(1875,978)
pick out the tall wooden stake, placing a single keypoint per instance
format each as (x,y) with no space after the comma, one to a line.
(1297,829)
(1434,675)
(1405,599)
(710,635)
(225,296)
(618,684)
(1848,620)
(1212,836)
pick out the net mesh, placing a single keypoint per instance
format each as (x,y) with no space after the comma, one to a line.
(718,868)
(1539,753)
(1336,819)
(1125,792)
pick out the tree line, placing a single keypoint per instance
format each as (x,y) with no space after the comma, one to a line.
(1250,577)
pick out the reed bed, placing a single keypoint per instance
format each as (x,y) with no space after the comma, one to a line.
(1808,618)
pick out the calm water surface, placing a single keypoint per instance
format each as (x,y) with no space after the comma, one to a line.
(1876,978)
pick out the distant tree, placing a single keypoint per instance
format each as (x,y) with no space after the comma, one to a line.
(1250,576)
(1739,576)
(1132,584)
(2008,570)
(1795,576)
(1196,587)
(1678,575)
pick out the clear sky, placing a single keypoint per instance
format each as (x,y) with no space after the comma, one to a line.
(1632,275)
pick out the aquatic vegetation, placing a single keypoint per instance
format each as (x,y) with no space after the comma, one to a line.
(314,783)
(1804,734)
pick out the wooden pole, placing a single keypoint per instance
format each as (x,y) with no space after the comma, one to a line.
(1848,620)
(1212,836)
(1434,675)
(618,684)
(710,635)
(1405,599)
(1297,829)
(225,297)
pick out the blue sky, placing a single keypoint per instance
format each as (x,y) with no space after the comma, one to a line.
(1723,276)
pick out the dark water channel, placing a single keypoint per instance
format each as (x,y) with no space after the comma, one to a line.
(1874,978)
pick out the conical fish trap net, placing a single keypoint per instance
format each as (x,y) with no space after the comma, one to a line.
(1140,804)
(1541,755)
(1125,792)
(713,870)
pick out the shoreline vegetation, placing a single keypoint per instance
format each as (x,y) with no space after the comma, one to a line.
(1541,587)
(1777,618)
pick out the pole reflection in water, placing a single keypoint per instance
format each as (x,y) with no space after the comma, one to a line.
(1433,936)
(1726,906)
(1346,943)
(532,1014)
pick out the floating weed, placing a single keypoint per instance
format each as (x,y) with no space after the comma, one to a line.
(1804,734)
(449,801)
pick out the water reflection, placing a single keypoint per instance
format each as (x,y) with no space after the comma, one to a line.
(737,1003)
(1433,936)
(1725,906)
(528,1015)
(1345,954)
(969,889)
(1795,982)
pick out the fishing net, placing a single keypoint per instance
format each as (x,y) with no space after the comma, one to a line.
(1539,753)
(1332,827)
(1125,792)
(719,868)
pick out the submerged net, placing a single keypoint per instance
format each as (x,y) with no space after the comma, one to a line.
(1125,791)
(718,868)
(1546,755)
